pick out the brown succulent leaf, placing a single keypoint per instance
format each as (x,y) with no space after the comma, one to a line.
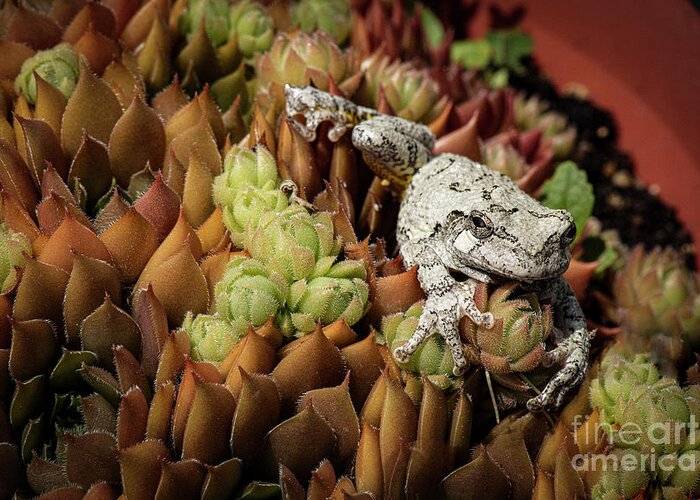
(89,281)
(40,293)
(428,461)
(16,218)
(33,29)
(129,372)
(395,294)
(102,382)
(368,462)
(281,444)
(123,10)
(131,241)
(397,430)
(15,53)
(140,468)
(315,363)
(222,480)
(567,482)
(213,115)
(91,168)
(208,427)
(198,57)
(42,146)
(257,412)
(99,414)
(183,404)
(508,451)
(262,132)
(15,177)
(328,201)
(174,172)
(98,49)
(98,16)
(27,400)
(72,237)
(170,100)
(108,325)
(544,487)
(198,139)
(90,458)
(212,230)
(460,430)
(160,412)
(252,354)
(152,319)
(51,182)
(138,138)
(372,409)
(133,414)
(180,286)
(123,82)
(322,482)
(34,348)
(50,104)
(101,491)
(290,486)
(136,30)
(51,213)
(114,210)
(180,480)
(335,406)
(233,121)
(66,493)
(214,268)
(160,206)
(44,476)
(559,439)
(92,107)
(493,484)
(154,56)
(188,115)
(463,141)
(197,202)
(172,359)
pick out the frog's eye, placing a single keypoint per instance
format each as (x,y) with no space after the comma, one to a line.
(480,225)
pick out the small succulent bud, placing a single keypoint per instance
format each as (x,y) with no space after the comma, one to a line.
(13,247)
(253,27)
(503,158)
(246,189)
(332,16)
(212,337)
(431,358)
(214,13)
(58,66)
(657,294)
(533,113)
(293,242)
(515,343)
(250,291)
(329,298)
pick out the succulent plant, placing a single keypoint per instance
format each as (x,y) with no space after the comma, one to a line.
(334,17)
(252,26)
(57,66)
(14,248)
(214,14)
(212,337)
(516,341)
(304,59)
(532,113)
(658,295)
(410,92)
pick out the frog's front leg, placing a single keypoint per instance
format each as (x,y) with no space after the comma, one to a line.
(447,302)
(572,350)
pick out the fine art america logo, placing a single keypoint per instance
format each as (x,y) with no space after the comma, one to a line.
(655,448)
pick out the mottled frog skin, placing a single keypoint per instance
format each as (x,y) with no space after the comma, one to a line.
(460,217)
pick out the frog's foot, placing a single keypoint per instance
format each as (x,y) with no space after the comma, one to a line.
(574,352)
(290,188)
(393,148)
(441,315)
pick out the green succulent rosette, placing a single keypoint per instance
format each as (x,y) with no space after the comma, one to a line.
(214,13)
(657,294)
(331,16)
(250,293)
(293,242)
(248,188)
(338,291)
(57,66)
(13,248)
(252,26)
(411,92)
(431,358)
(532,113)
(212,337)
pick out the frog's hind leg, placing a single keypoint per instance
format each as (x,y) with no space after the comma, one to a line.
(393,148)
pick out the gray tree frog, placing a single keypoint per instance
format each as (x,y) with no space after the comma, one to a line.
(458,216)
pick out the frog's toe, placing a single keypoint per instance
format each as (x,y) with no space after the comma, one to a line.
(487,320)
(401,355)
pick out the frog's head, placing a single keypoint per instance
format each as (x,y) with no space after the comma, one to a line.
(507,233)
